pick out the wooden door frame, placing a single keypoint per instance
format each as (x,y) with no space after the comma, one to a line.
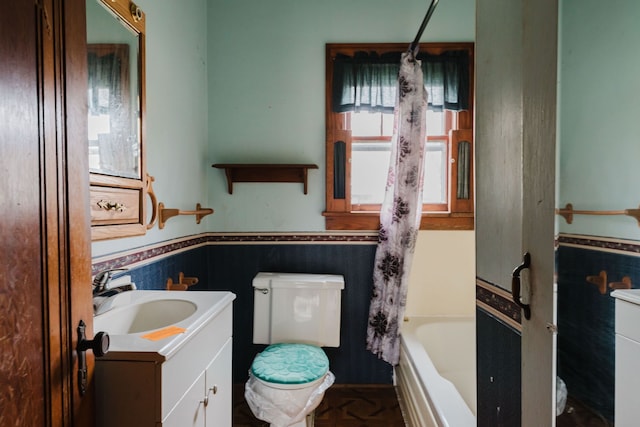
(540,42)
(67,272)
(46,275)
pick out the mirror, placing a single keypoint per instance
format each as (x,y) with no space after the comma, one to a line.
(114,93)
(116,119)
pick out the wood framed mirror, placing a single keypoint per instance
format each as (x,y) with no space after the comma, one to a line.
(116,118)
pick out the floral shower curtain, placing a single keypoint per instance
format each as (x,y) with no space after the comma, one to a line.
(400,214)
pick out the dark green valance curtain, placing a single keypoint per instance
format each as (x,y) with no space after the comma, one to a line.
(367,81)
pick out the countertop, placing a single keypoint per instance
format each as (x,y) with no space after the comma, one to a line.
(133,346)
(629,295)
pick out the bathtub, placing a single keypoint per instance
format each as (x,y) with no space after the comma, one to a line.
(436,376)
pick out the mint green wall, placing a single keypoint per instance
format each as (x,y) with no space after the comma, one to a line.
(599,131)
(243,81)
(177,113)
(266,92)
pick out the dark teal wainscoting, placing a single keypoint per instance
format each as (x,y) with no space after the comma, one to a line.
(231,267)
(498,370)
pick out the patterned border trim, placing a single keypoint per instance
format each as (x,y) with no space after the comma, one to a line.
(605,244)
(294,238)
(148,254)
(497,302)
(141,256)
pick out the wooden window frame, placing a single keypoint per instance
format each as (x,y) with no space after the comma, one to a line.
(339,214)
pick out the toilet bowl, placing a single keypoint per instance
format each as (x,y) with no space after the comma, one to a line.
(295,314)
(287,382)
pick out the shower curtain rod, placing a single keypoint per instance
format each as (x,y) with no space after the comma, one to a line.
(414,45)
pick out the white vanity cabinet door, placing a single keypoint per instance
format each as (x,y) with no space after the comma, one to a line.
(219,388)
(627,403)
(627,374)
(190,411)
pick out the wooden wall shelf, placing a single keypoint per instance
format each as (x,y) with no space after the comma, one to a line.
(242,172)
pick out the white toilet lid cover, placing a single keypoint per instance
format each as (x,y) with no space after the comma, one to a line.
(290,364)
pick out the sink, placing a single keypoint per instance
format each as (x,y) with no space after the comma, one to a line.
(133,314)
(144,316)
(163,376)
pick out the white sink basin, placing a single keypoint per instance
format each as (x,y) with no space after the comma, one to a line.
(135,314)
(145,316)
(154,325)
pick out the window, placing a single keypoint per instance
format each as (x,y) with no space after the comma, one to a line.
(360,98)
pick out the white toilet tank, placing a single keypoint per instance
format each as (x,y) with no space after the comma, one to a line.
(297,308)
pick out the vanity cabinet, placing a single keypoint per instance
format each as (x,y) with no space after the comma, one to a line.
(627,375)
(207,403)
(190,386)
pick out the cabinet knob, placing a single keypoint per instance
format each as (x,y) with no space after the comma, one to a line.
(213,390)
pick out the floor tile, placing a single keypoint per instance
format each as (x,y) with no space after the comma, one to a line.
(342,406)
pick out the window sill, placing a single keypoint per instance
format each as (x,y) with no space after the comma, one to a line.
(371,221)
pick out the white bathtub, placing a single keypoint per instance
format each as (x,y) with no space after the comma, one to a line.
(436,376)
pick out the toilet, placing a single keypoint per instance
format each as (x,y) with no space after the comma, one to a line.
(295,314)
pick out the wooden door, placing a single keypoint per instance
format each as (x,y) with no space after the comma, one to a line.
(516,45)
(45,252)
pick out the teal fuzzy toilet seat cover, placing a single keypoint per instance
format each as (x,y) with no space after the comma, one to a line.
(290,364)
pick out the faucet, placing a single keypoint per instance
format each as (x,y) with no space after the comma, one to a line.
(102,279)
(102,300)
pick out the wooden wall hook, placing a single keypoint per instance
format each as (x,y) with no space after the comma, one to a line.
(625,283)
(183,283)
(600,281)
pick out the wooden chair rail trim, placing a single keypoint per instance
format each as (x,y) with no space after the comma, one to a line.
(370,221)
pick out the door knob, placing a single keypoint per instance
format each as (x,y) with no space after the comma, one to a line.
(99,345)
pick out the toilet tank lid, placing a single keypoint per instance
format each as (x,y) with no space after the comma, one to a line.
(298,280)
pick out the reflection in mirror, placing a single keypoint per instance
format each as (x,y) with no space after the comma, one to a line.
(113,94)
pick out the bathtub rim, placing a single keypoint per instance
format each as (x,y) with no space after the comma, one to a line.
(450,412)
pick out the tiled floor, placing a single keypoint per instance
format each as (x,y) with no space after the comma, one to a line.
(342,406)
(374,406)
